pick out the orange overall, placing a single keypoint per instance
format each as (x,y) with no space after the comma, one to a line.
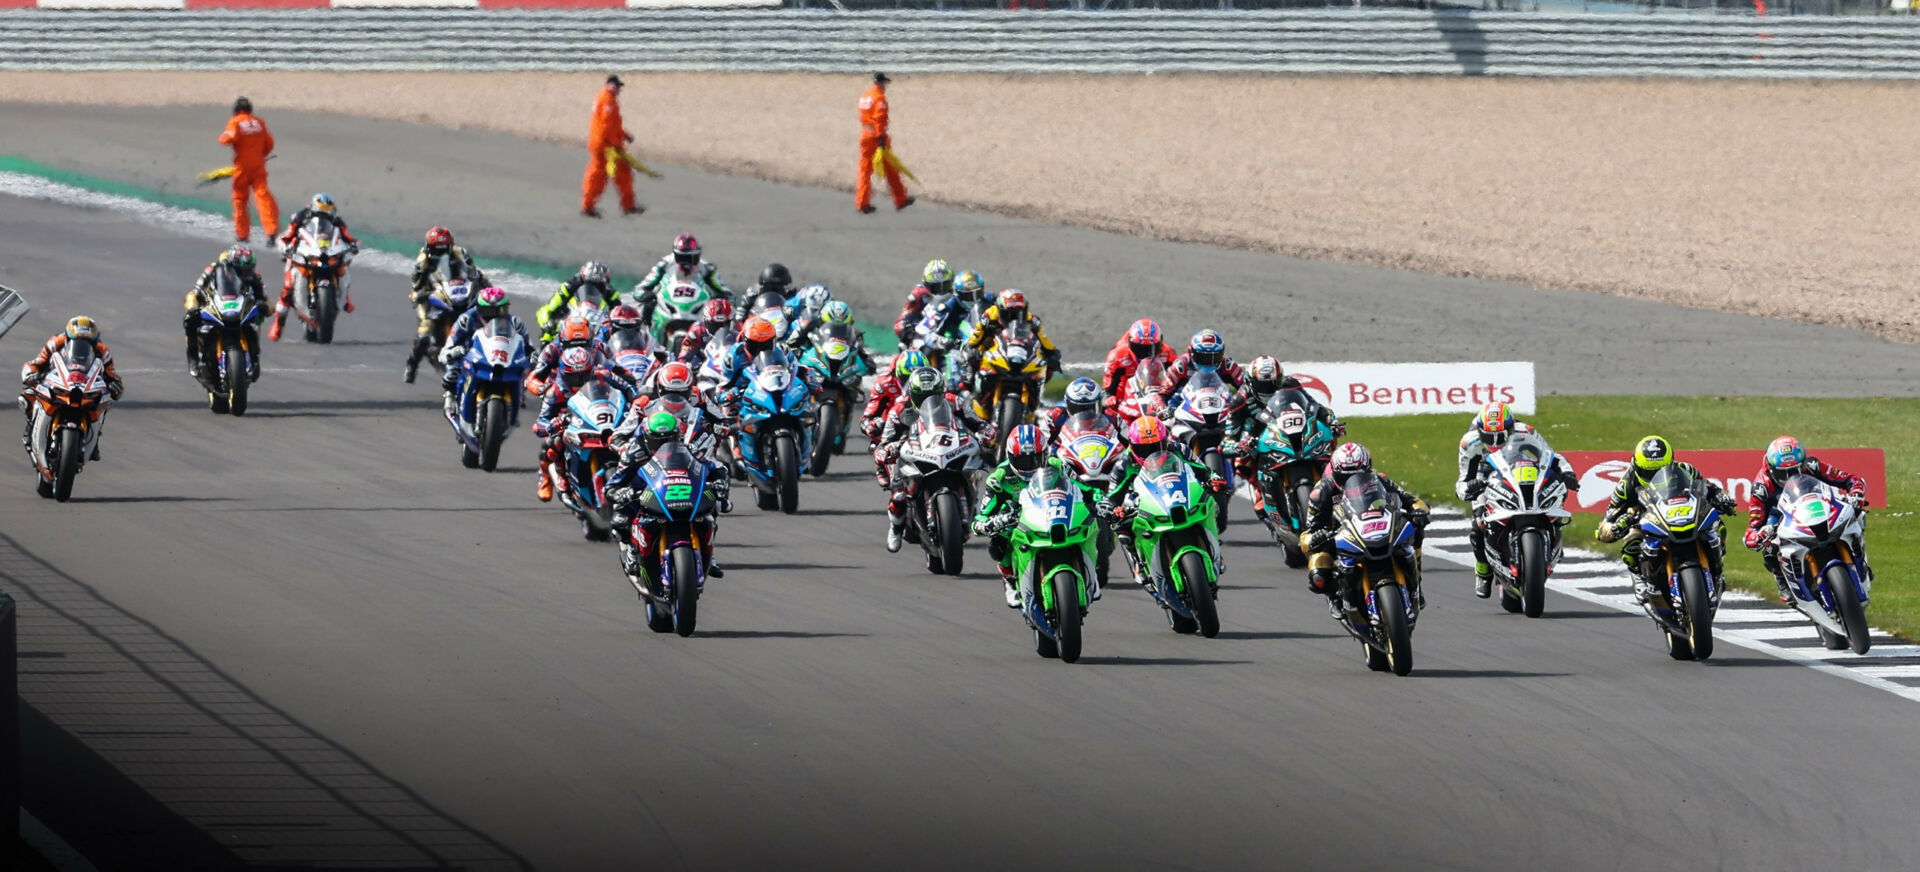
(873,131)
(606,131)
(251,144)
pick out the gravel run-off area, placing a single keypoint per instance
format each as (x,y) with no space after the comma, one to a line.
(1782,199)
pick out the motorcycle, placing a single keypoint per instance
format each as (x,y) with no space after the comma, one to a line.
(1287,461)
(842,371)
(1089,444)
(1009,380)
(320,255)
(486,391)
(1201,415)
(1681,541)
(632,353)
(67,404)
(1051,544)
(1520,505)
(226,355)
(1140,394)
(1377,567)
(1822,546)
(450,299)
(774,403)
(940,461)
(589,456)
(677,308)
(1176,545)
(763,301)
(674,520)
(942,335)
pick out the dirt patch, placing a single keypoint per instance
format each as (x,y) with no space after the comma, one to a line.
(1788,200)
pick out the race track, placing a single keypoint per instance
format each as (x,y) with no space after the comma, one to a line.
(308,638)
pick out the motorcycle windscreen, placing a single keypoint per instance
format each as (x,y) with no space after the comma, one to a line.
(1017,342)
(1206,394)
(1163,486)
(629,340)
(937,414)
(1049,501)
(676,479)
(1673,494)
(1809,504)
(1370,508)
(1527,455)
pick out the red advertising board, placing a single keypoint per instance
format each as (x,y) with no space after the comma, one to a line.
(1600,471)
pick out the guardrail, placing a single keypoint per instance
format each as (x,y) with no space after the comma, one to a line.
(1366,42)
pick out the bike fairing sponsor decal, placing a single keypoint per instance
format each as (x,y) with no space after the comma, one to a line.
(1601,471)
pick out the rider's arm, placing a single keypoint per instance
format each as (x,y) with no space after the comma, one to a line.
(643,292)
(114,385)
(555,305)
(983,331)
(711,276)
(422,266)
(1837,477)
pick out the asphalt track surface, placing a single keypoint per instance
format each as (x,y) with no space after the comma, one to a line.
(308,638)
(509,197)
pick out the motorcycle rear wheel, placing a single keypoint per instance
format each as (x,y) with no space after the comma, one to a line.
(493,432)
(67,446)
(1006,417)
(1853,615)
(686,590)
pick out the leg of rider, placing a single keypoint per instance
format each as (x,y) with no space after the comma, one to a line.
(1482,571)
(1770,557)
(548,457)
(999,550)
(346,289)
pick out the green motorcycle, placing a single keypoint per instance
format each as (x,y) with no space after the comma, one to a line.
(1175,539)
(1052,541)
(678,308)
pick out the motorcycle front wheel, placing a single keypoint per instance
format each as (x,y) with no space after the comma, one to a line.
(1698,611)
(67,445)
(493,432)
(1853,615)
(950,528)
(826,426)
(1398,635)
(1193,571)
(1533,573)
(786,473)
(234,371)
(325,309)
(1066,602)
(686,590)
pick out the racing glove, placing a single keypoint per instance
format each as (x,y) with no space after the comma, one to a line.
(1473,489)
(1217,486)
(1756,537)
(1858,498)
(451,354)
(1570,479)
(540,429)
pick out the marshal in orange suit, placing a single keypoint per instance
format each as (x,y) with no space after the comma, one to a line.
(873,136)
(251,144)
(604,132)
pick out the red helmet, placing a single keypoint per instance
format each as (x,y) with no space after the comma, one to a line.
(1023,449)
(439,237)
(576,330)
(575,365)
(1143,334)
(1146,436)
(675,378)
(759,331)
(1011,300)
(686,250)
(624,317)
(1351,458)
(717,312)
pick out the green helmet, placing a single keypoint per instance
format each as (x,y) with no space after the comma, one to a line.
(938,277)
(923,383)
(907,362)
(240,257)
(662,428)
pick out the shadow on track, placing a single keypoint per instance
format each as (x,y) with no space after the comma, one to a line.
(421,509)
(287,796)
(283,408)
(1158,661)
(1273,634)
(116,500)
(730,566)
(1483,673)
(773,634)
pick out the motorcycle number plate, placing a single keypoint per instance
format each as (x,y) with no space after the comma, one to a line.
(1813,510)
(498,356)
(1371,529)
(1292,421)
(679,492)
(1527,474)
(1680,513)
(1209,405)
(683,292)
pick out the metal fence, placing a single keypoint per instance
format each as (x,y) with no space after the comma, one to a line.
(1303,41)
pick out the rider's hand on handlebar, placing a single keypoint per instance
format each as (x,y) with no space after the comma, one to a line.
(1218,486)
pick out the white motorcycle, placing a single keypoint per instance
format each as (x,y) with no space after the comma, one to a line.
(1821,537)
(1521,507)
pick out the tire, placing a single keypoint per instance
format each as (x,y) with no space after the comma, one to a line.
(43,487)
(328,306)
(659,620)
(1533,573)
(1217,462)
(1830,640)
(67,445)
(1853,615)
(1391,601)
(1066,601)
(234,371)
(951,530)
(1193,569)
(786,473)
(1376,660)
(1006,418)
(766,502)
(1297,559)
(686,591)
(216,403)
(1103,553)
(1698,610)
(493,432)
(1678,649)
(1044,646)
(826,425)
(468,458)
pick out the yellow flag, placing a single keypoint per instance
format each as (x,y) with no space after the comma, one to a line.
(884,157)
(617,156)
(211,176)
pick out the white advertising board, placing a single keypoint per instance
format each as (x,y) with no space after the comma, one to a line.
(1383,389)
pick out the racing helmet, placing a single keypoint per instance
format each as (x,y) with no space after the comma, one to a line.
(937,277)
(439,240)
(1023,450)
(1147,435)
(1349,460)
(240,257)
(1264,375)
(576,331)
(675,377)
(1013,304)
(662,429)
(923,383)
(82,327)
(837,312)
(491,301)
(576,366)
(717,312)
(1784,457)
(776,277)
(1083,395)
(1143,339)
(1494,424)
(815,297)
(907,362)
(1651,455)
(759,334)
(596,272)
(969,286)
(686,251)
(1207,349)
(322,202)
(624,317)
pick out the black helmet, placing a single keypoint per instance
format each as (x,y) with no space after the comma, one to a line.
(776,277)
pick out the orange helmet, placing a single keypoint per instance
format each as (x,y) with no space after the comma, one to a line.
(576,330)
(759,330)
(1146,436)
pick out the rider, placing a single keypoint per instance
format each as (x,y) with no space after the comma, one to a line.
(805,312)
(577,369)
(239,262)
(440,248)
(683,264)
(488,304)
(672,378)
(1141,342)
(661,431)
(1265,378)
(1348,461)
(887,387)
(1784,460)
(592,274)
(1147,437)
(1082,395)
(576,331)
(79,329)
(935,281)
(626,317)
(775,278)
(1010,307)
(322,207)
(1651,455)
(841,313)
(1206,352)
(921,385)
(1000,502)
(1492,426)
(715,316)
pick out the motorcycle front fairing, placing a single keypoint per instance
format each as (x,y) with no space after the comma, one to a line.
(774,399)
(495,357)
(1813,519)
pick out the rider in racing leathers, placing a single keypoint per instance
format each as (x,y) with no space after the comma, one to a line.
(1265,378)
(577,369)
(661,430)
(887,387)
(1145,438)
(320,207)
(683,264)
(1785,458)
(1142,342)
(715,316)
(439,248)
(80,328)
(1348,461)
(1000,502)
(1206,352)
(488,304)
(573,332)
(1651,455)
(1491,428)
(1011,306)
(1082,395)
(593,274)
(237,260)
(805,312)
(921,384)
(935,281)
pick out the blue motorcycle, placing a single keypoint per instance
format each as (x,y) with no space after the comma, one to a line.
(673,534)
(775,408)
(487,392)
(589,456)
(227,356)
(834,354)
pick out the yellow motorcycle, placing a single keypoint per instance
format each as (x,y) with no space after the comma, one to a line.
(1007,384)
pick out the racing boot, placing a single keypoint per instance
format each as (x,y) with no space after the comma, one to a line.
(714,570)
(1013,588)
(448,404)
(1642,591)
(1773,566)
(895,525)
(413,368)
(1482,579)
(279,324)
(545,489)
